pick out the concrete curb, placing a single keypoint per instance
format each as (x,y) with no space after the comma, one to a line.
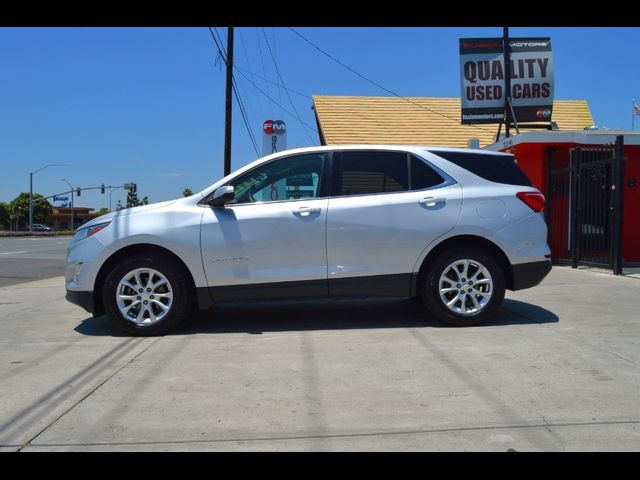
(36,234)
(44,283)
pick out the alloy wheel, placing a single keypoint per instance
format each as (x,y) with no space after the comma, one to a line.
(144,296)
(465,287)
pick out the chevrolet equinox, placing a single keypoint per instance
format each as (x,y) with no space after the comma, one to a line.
(451,227)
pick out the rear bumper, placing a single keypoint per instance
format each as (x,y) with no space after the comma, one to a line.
(83,299)
(527,275)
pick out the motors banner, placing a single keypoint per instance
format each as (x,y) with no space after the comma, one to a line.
(482,74)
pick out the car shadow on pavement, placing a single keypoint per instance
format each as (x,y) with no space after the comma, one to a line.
(348,314)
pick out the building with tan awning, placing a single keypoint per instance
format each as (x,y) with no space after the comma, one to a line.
(419,121)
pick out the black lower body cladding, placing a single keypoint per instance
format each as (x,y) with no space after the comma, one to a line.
(527,275)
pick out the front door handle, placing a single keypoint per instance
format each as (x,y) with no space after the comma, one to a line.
(432,202)
(306,211)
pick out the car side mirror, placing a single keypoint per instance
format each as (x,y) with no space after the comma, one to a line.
(222,195)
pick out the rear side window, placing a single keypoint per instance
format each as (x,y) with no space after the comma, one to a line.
(367,172)
(495,168)
(362,172)
(423,176)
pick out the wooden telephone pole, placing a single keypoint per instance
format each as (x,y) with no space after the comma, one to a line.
(228,103)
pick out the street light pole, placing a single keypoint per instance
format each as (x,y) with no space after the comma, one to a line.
(31,190)
(110,192)
(72,210)
(30,201)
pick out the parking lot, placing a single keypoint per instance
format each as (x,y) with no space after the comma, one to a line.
(557,369)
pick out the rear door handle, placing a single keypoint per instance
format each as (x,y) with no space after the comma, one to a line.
(432,202)
(306,211)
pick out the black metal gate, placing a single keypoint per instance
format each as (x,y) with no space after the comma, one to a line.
(584,206)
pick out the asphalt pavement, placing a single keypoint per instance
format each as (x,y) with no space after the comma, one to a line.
(23,259)
(558,369)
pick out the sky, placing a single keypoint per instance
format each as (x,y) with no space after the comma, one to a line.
(146,105)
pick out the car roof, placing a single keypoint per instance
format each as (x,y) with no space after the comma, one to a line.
(388,147)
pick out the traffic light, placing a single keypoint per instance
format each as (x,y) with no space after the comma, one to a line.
(102,188)
(78,190)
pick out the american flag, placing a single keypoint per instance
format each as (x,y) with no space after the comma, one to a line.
(636,109)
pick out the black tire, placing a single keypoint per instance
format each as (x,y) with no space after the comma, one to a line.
(431,293)
(178,280)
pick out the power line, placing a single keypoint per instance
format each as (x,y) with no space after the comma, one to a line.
(244,117)
(217,45)
(219,40)
(246,56)
(276,103)
(264,71)
(235,89)
(377,84)
(297,115)
(255,75)
(250,111)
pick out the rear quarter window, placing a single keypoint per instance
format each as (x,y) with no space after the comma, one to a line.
(495,168)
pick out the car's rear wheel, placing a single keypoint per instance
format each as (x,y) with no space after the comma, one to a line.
(464,287)
(147,295)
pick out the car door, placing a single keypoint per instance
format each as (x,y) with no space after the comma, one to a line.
(386,207)
(271,240)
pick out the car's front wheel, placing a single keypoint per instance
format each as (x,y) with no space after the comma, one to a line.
(464,287)
(146,295)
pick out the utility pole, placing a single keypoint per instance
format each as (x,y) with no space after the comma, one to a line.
(31,174)
(507,79)
(228,104)
(30,201)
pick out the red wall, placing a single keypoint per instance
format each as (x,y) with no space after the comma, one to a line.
(531,159)
(631,222)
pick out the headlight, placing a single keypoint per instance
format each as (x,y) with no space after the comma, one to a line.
(86,232)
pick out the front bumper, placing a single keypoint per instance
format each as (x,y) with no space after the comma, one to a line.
(83,299)
(527,275)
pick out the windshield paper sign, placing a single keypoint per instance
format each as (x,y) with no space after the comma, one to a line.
(483,84)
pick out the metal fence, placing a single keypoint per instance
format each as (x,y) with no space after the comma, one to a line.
(585,206)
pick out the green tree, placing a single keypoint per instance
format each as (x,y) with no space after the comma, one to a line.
(102,211)
(4,215)
(134,201)
(41,208)
(187,192)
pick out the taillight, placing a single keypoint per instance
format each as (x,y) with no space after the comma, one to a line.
(534,200)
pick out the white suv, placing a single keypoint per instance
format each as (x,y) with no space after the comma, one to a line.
(453,227)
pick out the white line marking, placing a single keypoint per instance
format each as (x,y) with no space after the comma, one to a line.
(11,253)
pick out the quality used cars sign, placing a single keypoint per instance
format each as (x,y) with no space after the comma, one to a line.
(482,73)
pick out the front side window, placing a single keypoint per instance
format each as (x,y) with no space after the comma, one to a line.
(290,178)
